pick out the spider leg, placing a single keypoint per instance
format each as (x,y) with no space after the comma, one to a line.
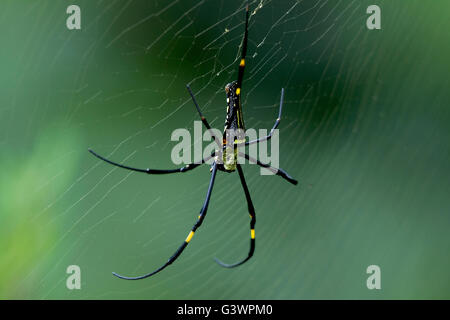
(187,167)
(200,219)
(277,122)
(278,171)
(243,54)
(202,117)
(240,73)
(251,211)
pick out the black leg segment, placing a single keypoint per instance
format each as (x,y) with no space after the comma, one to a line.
(177,253)
(251,211)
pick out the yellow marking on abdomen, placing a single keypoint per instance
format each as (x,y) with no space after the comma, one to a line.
(238,91)
(189,237)
(252,232)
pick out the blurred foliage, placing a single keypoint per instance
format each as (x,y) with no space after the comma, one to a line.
(29,184)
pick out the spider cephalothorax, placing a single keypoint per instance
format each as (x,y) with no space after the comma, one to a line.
(229,151)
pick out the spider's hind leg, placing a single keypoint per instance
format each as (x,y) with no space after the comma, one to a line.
(202,117)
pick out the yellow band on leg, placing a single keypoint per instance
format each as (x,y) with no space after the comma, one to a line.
(189,237)
(252,232)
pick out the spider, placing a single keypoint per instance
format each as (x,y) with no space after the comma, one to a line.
(234,120)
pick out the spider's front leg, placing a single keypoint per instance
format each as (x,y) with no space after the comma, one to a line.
(180,249)
(186,168)
(251,211)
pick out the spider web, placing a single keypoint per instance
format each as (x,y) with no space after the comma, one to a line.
(119,87)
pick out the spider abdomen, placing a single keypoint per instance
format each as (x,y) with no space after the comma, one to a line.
(234,119)
(234,131)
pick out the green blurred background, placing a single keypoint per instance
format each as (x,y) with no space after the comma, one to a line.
(365,129)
